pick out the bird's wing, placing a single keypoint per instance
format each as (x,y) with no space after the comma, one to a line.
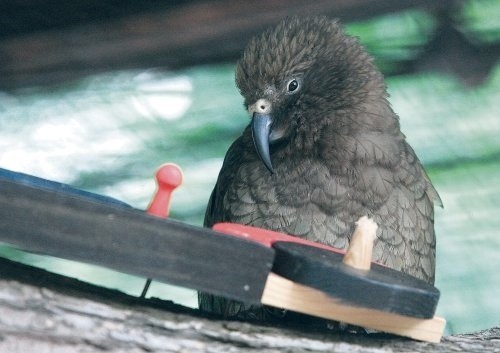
(430,190)
(215,211)
(406,221)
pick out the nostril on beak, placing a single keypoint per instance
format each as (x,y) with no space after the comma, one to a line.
(262,106)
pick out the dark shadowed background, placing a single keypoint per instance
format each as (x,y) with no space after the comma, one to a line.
(100,94)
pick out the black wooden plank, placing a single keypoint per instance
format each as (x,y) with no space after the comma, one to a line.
(40,183)
(379,288)
(81,228)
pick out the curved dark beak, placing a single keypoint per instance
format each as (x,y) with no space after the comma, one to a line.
(261,128)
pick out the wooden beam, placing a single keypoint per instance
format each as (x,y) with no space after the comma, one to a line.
(180,35)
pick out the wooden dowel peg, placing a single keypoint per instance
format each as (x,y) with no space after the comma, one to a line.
(359,253)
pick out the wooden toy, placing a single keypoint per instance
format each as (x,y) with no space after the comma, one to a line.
(318,280)
(50,218)
(236,261)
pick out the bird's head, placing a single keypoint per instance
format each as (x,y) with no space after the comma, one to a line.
(296,75)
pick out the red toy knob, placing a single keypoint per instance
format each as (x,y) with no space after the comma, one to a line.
(168,177)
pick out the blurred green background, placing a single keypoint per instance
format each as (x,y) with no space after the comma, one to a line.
(108,133)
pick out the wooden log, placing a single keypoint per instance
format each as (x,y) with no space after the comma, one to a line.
(44,312)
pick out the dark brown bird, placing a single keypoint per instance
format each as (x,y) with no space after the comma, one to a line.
(323,148)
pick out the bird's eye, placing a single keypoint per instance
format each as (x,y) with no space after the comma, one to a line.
(293,85)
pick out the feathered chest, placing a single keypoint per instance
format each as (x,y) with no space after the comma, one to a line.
(291,186)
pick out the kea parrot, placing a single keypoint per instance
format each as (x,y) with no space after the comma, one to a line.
(323,148)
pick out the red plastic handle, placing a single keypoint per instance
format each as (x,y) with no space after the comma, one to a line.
(168,177)
(267,237)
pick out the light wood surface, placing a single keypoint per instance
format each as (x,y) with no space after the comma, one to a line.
(283,293)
